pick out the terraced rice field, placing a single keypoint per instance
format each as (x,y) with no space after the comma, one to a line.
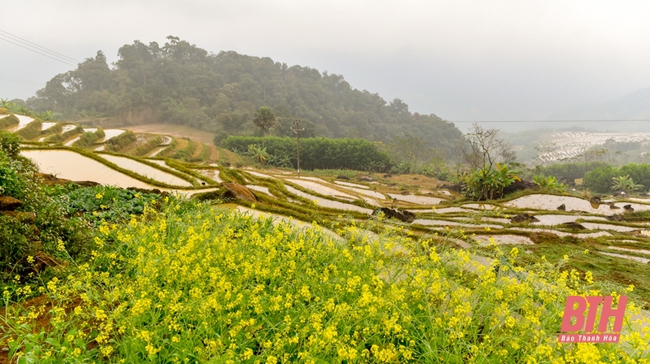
(567,145)
(23,121)
(146,170)
(436,209)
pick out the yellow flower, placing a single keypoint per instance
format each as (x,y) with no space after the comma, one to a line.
(99,196)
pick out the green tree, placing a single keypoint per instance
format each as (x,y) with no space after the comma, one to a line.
(625,184)
(264,119)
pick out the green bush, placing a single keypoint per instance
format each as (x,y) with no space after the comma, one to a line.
(488,184)
(600,179)
(318,153)
(105,203)
(40,224)
(9,143)
(569,172)
(549,183)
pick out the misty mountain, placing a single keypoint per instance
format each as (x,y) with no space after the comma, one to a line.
(634,106)
(183,84)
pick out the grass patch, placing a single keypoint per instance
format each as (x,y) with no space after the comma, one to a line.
(148,146)
(87,139)
(8,121)
(61,138)
(121,141)
(31,131)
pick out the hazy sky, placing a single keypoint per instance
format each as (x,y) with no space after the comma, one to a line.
(461,60)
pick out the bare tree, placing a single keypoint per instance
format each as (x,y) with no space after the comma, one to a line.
(484,148)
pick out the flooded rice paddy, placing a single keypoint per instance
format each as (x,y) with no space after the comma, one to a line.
(428,222)
(416,199)
(112,133)
(629,257)
(328,203)
(321,189)
(47,125)
(259,189)
(23,121)
(552,202)
(146,170)
(76,167)
(353,185)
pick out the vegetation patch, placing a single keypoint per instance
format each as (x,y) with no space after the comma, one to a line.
(87,139)
(8,121)
(121,141)
(284,294)
(147,146)
(317,153)
(60,138)
(32,130)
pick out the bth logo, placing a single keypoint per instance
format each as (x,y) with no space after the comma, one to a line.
(575,308)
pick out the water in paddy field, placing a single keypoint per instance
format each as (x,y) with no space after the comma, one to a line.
(112,133)
(348,184)
(420,200)
(321,189)
(551,202)
(328,203)
(23,121)
(428,222)
(76,167)
(47,125)
(147,171)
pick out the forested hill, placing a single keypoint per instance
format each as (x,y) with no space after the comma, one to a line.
(184,84)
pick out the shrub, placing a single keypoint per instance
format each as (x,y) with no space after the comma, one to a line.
(549,183)
(106,203)
(600,179)
(9,143)
(487,184)
(46,228)
(318,153)
(569,172)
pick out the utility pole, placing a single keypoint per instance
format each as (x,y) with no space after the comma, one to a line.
(297,129)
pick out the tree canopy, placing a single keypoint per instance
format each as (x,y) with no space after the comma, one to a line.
(181,83)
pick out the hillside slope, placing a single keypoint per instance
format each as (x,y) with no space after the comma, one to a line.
(183,84)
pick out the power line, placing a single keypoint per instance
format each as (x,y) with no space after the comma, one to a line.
(41,47)
(19,81)
(46,52)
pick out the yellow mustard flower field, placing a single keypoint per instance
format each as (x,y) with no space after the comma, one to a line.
(191,283)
